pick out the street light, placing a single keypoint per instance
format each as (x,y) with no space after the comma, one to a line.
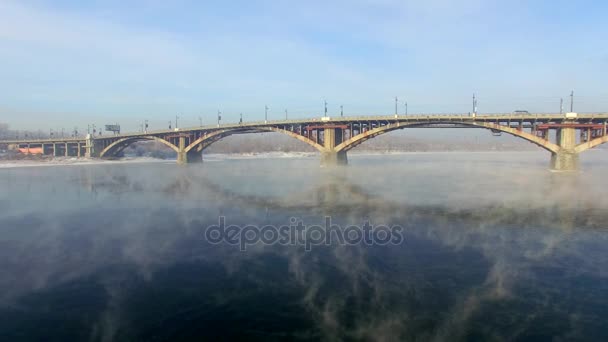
(396,104)
(572,101)
(474,105)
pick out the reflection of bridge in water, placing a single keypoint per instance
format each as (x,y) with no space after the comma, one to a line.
(335,195)
(334,137)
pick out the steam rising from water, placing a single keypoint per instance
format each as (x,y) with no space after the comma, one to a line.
(496,247)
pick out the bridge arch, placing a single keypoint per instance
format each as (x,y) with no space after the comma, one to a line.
(123,143)
(205,141)
(360,138)
(591,144)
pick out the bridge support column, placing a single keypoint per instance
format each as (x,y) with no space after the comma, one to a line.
(334,158)
(192,156)
(90,150)
(566,159)
(189,157)
(331,138)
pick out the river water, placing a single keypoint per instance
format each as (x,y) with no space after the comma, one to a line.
(494,247)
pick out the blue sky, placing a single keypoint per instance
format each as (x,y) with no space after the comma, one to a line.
(71,63)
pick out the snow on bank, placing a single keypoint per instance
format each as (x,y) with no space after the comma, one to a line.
(217,157)
(261,155)
(72,161)
(67,161)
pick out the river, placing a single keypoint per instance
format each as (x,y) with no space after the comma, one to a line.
(488,246)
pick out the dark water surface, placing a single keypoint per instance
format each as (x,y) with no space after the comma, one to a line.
(495,248)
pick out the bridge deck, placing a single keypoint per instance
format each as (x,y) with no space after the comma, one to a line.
(500,117)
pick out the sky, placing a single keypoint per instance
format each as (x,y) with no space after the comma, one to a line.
(72,63)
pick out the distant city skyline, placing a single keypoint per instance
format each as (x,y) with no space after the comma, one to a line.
(67,64)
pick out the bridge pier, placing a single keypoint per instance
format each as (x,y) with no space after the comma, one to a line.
(189,157)
(91,148)
(56,152)
(334,158)
(566,159)
(192,156)
(333,136)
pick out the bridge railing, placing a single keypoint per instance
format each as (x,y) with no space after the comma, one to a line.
(253,124)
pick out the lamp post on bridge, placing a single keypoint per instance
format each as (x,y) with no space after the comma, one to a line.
(396,105)
(572,102)
(219,118)
(265,113)
(176,126)
(474,105)
(341,111)
(405,107)
(325,102)
(200,121)
(286,114)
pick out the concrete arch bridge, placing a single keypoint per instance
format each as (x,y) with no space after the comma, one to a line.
(334,137)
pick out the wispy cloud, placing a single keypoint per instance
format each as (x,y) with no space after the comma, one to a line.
(150,58)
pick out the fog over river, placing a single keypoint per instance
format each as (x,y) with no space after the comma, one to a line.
(494,247)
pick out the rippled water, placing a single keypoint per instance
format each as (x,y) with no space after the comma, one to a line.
(496,248)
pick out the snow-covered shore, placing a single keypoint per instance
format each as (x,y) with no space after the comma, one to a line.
(72,161)
(210,157)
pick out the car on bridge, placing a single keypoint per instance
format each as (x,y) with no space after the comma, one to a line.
(521,112)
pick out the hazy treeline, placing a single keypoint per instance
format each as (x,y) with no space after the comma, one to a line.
(7,133)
